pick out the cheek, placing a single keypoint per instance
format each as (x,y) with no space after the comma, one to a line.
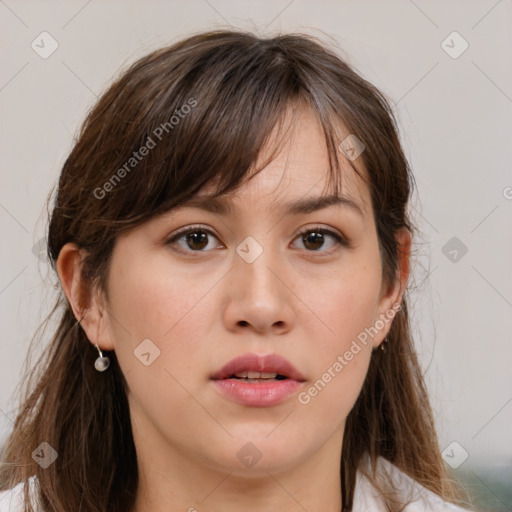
(152,300)
(332,395)
(345,306)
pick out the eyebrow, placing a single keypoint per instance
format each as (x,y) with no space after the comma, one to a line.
(306,205)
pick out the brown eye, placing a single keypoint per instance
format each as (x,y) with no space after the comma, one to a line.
(197,240)
(192,239)
(314,239)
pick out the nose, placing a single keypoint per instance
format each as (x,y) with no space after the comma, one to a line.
(258,296)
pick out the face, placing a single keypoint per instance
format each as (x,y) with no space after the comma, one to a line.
(254,279)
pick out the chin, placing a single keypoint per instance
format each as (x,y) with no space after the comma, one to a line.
(257,455)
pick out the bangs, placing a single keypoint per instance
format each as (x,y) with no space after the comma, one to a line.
(192,120)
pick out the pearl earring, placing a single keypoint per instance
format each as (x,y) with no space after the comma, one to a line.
(102,362)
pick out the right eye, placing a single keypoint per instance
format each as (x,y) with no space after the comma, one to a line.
(191,239)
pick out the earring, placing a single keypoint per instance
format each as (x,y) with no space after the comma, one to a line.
(382,347)
(102,362)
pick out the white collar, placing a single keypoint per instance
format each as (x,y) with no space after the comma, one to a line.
(367,498)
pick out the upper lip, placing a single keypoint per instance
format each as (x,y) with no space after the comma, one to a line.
(271,363)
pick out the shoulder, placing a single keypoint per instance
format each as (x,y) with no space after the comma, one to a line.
(418,498)
(12,500)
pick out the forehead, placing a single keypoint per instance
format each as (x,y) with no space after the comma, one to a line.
(298,172)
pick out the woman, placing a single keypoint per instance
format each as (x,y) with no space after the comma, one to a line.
(231,236)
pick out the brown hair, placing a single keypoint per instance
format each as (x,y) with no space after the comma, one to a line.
(215,97)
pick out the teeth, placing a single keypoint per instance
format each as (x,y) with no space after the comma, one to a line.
(255,375)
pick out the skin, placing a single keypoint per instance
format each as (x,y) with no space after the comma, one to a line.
(204,308)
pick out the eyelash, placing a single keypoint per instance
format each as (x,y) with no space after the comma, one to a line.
(344,242)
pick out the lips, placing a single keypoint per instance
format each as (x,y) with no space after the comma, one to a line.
(261,368)
(254,380)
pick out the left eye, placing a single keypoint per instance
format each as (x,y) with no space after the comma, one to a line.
(196,239)
(315,238)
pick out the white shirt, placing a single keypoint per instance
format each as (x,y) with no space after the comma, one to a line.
(368,499)
(366,496)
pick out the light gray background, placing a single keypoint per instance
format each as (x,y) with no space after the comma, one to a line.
(455,116)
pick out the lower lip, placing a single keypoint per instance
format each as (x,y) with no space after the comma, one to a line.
(257,394)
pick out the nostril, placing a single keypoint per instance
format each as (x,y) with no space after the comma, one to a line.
(242,322)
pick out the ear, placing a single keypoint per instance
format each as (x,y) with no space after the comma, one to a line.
(85,301)
(392,294)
